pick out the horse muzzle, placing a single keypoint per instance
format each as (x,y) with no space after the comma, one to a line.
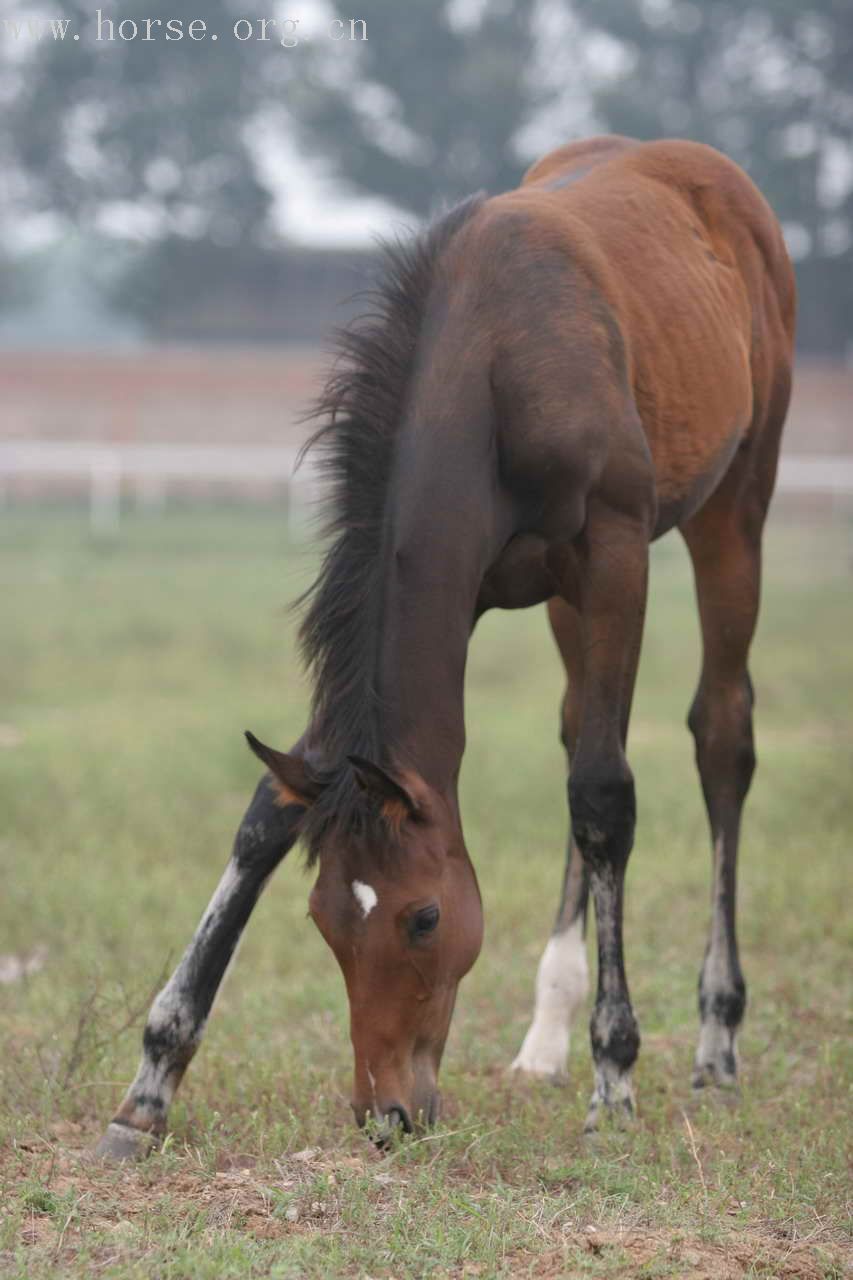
(384,1123)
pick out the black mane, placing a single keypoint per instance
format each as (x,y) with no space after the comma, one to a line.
(360,411)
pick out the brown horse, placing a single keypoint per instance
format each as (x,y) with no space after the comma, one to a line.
(548,381)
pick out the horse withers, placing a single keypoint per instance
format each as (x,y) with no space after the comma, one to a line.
(547,381)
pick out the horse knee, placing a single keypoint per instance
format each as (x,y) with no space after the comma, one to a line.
(603,808)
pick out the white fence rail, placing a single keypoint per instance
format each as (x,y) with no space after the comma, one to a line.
(816,473)
(151,469)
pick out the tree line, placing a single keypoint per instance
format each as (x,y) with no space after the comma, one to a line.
(438,101)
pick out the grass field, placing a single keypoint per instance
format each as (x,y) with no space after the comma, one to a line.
(127,673)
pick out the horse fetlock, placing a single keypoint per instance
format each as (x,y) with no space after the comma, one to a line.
(615,1039)
(716,1060)
(146,1106)
(722,1005)
(614,1034)
(722,1002)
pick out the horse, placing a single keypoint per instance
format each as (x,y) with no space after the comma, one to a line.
(547,381)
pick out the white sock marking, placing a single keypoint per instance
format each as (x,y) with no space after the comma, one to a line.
(365,896)
(562,982)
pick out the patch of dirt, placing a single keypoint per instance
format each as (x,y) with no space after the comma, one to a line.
(640,1254)
(74,1196)
(737,1258)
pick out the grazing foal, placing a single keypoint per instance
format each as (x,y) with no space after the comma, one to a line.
(549,380)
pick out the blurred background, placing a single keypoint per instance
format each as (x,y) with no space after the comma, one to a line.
(184,220)
(181,226)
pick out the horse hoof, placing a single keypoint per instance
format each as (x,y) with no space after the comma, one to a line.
(619,1116)
(709,1075)
(551,1070)
(121,1143)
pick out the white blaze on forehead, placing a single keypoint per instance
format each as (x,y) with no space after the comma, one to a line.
(366,896)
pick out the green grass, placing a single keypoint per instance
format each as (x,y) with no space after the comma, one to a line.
(127,673)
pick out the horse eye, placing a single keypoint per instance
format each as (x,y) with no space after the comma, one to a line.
(423,922)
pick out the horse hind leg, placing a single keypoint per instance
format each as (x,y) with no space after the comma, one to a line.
(725,547)
(562,980)
(178,1015)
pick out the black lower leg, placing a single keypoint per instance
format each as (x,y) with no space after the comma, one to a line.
(177,1018)
(721,722)
(610,586)
(603,814)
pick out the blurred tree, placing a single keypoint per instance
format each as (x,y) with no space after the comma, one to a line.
(147,135)
(160,140)
(138,140)
(768,82)
(428,108)
(157,140)
(18,284)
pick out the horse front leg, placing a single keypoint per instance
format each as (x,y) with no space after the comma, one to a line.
(612,575)
(178,1015)
(562,979)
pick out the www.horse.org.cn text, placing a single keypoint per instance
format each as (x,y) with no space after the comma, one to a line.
(287,33)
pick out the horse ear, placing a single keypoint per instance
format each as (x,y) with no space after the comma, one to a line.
(395,801)
(298,785)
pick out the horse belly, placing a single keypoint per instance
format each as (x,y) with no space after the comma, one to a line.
(693,440)
(681,495)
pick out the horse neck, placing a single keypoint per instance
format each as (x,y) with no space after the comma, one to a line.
(444,527)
